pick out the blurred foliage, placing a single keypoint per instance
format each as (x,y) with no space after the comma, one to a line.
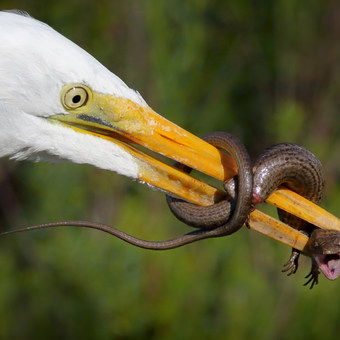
(266,71)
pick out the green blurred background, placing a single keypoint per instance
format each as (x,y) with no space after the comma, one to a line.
(267,71)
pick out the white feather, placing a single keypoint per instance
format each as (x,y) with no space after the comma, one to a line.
(35,63)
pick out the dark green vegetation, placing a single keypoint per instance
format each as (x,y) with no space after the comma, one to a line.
(267,71)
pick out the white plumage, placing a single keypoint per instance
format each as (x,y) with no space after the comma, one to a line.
(35,63)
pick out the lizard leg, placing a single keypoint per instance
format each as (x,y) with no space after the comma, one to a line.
(293,262)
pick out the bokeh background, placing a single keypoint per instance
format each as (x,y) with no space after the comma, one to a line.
(267,71)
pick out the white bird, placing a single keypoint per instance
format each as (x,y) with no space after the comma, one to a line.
(59,103)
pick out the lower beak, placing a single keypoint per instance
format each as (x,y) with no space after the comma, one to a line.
(128,124)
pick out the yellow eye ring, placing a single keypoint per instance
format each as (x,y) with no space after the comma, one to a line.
(74,96)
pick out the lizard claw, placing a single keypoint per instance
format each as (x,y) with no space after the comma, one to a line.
(292,264)
(313,275)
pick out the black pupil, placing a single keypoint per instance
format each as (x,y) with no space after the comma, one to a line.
(76,99)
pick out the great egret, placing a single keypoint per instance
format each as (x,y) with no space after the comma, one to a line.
(59,103)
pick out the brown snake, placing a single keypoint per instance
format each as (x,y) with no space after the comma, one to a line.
(287,164)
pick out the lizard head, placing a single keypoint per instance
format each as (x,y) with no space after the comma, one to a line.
(324,246)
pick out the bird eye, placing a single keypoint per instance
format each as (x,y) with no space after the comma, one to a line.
(75,97)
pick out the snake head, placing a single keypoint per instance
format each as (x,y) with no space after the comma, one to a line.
(324,246)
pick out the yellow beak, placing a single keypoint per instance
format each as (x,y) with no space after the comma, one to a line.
(126,123)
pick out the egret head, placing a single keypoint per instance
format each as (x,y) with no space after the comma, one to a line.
(59,103)
(38,69)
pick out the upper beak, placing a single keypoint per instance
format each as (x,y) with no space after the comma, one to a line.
(124,122)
